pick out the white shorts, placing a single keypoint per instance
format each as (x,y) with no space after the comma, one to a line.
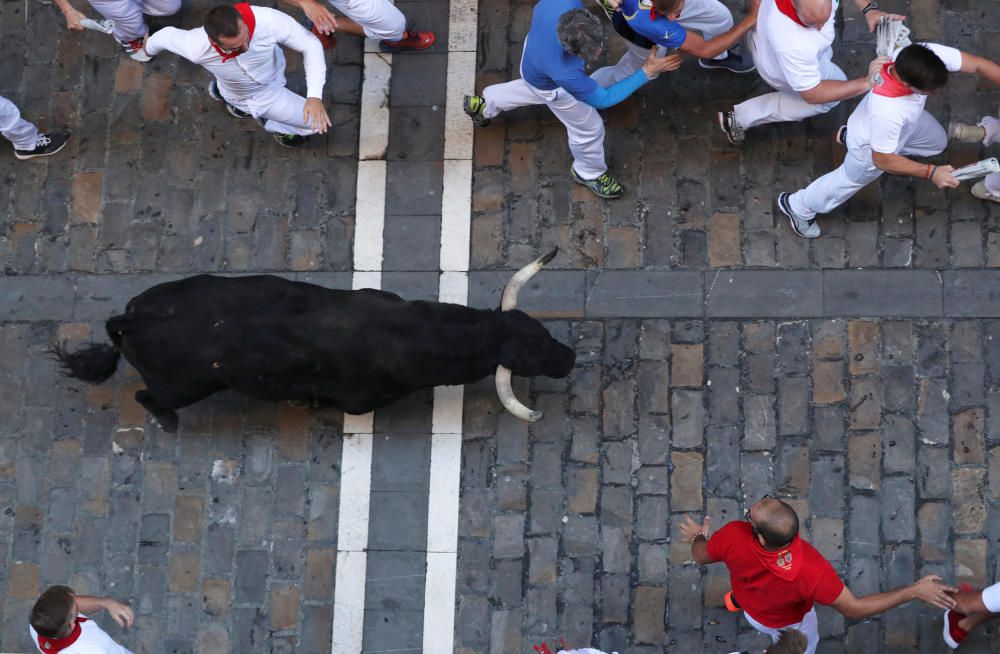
(379,18)
(809,626)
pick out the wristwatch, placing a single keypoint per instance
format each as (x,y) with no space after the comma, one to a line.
(871,6)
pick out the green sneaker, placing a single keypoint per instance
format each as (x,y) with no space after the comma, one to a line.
(473,106)
(291,140)
(605,186)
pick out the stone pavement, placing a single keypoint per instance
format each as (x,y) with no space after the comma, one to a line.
(719,358)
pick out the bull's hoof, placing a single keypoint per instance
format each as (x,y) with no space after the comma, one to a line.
(167,420)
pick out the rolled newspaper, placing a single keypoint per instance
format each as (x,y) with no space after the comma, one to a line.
(977,170)
(107,26)
(890,36)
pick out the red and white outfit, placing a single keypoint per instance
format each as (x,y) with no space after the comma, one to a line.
(17,130)
(254,81)
(776,590)
(86,638)
(791,58)
(380,19)
(890,120)
(127,15)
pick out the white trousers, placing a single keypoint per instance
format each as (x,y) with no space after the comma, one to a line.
(16,129)
(784,104)
(280,108)
(583,124)
(836,187)
(710,17)
(380,19)
(809,626)
(127,14)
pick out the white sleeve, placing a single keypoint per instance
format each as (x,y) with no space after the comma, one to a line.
(168,38)
(991,598)
(801,69)
(952,57)
(289,33)
(885,131)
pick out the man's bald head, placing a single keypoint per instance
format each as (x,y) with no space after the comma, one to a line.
(814,13)
(775,521)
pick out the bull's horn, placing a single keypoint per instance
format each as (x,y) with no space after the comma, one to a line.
(510,402)
(521,277)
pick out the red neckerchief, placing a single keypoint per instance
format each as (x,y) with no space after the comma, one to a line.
(890,87)
(53,645)
(785,563)
(787,8)
(247,15)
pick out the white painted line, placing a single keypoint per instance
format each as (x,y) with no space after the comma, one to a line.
(369,217)
(373,140)
(447,417)
(442,509)
(355,493)
(456,209)
(454,287)
(363,424)
(458,127)
(439,602)
(463,23)
(349,603)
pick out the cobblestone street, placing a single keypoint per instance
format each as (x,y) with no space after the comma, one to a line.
(719,357)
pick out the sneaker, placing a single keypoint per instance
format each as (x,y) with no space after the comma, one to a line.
(135,50)
(992,128)
(412,40)
(473,106)
(953,634)
(841,135)
(801,226)
(605,186)
(728,124)
(980,191)
(213,92)
(962,133)
(734,63)
(45,145)
(291,140)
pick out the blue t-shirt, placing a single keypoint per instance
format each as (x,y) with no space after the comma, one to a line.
(659,29)
(546,66)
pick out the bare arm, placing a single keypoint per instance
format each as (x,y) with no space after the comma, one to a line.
(872,16)
(73,17)
(317,12)
(981,66)
(697,46)
(832,90)
(927,589)
(697,535)
(122,613)
(897,164)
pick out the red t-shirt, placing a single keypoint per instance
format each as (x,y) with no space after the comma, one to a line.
(776,589)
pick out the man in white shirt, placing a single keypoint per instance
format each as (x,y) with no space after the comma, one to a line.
(889,125)
(130,26)
(57,623)
(375,19)
(972,608)
(792,46)
(239,45)
(28,142)
(986,132)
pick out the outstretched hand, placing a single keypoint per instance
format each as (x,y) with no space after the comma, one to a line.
(872,18)
(314,114)
(73,18)
(930,590)
(690,529)
(655,65)
(320,16)
(122,613)
(875,67)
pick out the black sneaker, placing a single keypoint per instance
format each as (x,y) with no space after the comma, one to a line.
(213,92)
(605,186)
(291,140)
(802,226)
(473,106)
(45,145)
(734,63)
(732,129)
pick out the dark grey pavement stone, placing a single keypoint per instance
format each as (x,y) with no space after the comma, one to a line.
(882,293)
(411,242)
(413,188)
(36,298)
(972,293)
(627,294)
(549,294)
(398,521)
(765,293)
(395,581)
(412,285)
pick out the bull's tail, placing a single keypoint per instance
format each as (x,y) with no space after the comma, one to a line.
(93,363)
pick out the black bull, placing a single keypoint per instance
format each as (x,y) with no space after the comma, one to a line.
(275,339)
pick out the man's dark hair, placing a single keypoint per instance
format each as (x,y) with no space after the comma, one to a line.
(222,20)
(664,7)
(779,526)
(919,67)
(51,610)
(581,33)
(792,641)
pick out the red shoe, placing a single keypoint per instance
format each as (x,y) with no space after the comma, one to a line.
(329,41)
(412,40)
(952,633)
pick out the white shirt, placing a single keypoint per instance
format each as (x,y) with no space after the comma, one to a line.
(92,640)
(886,124)
(787,54)
(261,66)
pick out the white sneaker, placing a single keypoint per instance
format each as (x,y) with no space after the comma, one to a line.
(991,126)
(802,226)
(980,191)
(963,133)
(135,50)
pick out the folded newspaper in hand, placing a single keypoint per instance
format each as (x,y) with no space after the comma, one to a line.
(890,36)
(106,26)
(976,170)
